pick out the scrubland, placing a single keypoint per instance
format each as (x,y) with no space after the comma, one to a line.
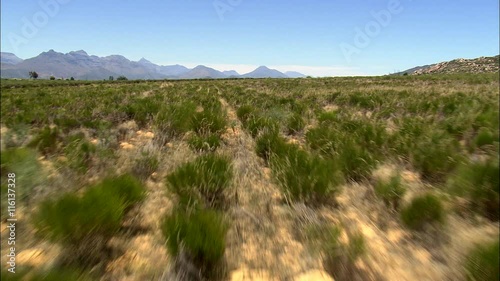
(366,178)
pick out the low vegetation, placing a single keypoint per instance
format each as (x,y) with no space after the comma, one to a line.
(423,210)
(198,238)
(203,181)
(483,262)
(244,160)
(390,190)
(84,224)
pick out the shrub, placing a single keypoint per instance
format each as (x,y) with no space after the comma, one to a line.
(142,110)
(390,191)
(479,181)
(82,225)
(423,210)
(323,139)
(174,120)
(271,143)
(356,247)
(328,118)
(46,140)
(436,156)
(85,224)
(340,259)
(199,235)
(126,187)
(202,181)
(356,161)
(145,165)
(483,262)
(24,163)
(255,125)
(204,143)
(295,123)
(245,112)
(484,137)
(209,122)
(79,152)
(305,177)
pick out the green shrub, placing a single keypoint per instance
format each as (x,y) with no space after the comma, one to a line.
(200,235)
(142,110)
(435,156)
(356,247)
(79,152)
(479,181)
(84,224)
(340,259)
(209,122)
(483,262)
(328,118)
(245,112)
(24,163)
(255,125)
(271,143)
(295,123)
(145,165)
(204,143)
(126,187)
(46,141)
(202,181)
(423,210)
(305,177)
(174,120)
(323,139)
(390,191)
(484,137)
(355,160)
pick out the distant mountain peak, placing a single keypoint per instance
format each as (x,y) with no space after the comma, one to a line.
(79,52)
(264,72)
(10,58)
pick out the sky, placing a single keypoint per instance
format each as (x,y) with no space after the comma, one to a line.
(317,38)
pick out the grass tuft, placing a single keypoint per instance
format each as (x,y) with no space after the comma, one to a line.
(423,210)
(199,237)
(202,181)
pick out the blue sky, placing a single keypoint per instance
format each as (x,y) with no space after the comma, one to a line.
(319,38)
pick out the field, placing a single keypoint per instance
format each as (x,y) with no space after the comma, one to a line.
(365,178)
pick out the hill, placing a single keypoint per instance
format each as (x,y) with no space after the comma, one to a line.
(477,65)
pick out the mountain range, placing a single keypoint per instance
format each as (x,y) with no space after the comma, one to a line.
(82,66)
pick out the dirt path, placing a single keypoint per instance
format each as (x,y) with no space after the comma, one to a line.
(261,244)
